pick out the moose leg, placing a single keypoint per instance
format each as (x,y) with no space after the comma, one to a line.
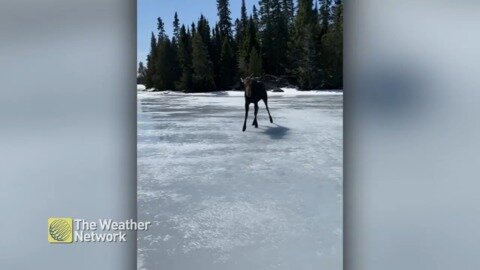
(255,123)
(247,104)
(268,110)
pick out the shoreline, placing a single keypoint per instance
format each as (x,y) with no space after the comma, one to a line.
(286,91)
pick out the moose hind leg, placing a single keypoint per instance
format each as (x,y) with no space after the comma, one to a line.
(268,110)
(246,116)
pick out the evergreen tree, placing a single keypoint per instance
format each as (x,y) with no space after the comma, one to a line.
(151,58)
(249,42)
(227,64)
(166,65)
(242,40)
(175,68)
(315,12)
(289,11)
(264,17)
(185,59)
(304,42)
(141,73)
(243,55)
(255,15)
(202,78)
(281,34)
(243,13)
(203,28)
(216,51)
(324,15)
(239,32)
(332,50)
(265,30)
(161,29)
(255,63)
(304,46)
(274,36)
(225,22)
(176,27)
(194,30)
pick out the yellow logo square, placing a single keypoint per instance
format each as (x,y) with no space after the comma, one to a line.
(60,230)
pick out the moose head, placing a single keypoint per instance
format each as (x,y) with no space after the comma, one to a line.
(247,82)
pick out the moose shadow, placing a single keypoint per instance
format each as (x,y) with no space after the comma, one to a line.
(276,133)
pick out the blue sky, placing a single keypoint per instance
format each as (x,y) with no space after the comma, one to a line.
(188,11)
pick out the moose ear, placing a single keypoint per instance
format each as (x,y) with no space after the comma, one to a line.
(241,79)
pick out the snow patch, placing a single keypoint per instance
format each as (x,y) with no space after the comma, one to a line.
(295,92)
(232,93)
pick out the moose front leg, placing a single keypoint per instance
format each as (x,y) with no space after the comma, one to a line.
(247,104)
(255,123)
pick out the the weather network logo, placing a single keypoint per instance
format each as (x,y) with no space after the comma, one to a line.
(104,230)
(60,230)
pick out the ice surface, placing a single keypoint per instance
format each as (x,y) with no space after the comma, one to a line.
(220,198)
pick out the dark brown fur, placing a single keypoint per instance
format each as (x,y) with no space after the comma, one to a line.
(254,92)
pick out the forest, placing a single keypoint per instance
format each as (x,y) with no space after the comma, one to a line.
(300,42)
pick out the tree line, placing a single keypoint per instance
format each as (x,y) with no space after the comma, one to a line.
(299,41)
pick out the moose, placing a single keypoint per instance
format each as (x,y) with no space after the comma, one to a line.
(254,92)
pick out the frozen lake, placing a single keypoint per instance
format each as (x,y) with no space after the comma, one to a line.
(220,198)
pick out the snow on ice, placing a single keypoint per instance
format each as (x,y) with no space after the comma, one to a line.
(220,198)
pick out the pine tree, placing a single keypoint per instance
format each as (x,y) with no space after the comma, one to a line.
(176,27)
(141,73)
(243,54)
(151,58)
(281,34)
(289,11)
(241,40)
(202,78)
(216,45)
(225,22)
(332,50)
(239,32)
(243,13)
(185,59)
(255,15)
(203,28)
(176,70)
(274,36)
(194,30)
(315,12)
(159,78)
(255,63)
(249,42)
(265,30)
(227,64)
(167,71)
(161,29)
(304,47)
(264,18)
(216,51)
(324,15)
(166,65)
(308,76)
